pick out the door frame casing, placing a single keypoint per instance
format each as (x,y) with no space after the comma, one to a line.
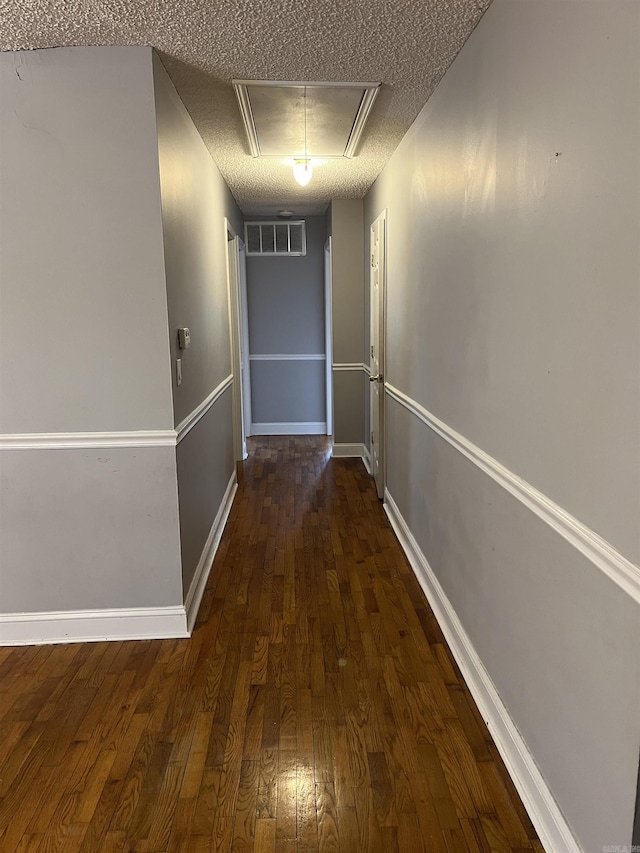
(328,337)
(244,342)
(382,223)
(236,338)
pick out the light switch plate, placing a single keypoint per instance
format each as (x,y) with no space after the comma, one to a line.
(179,371)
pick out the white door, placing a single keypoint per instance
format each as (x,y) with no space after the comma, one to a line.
(377,280)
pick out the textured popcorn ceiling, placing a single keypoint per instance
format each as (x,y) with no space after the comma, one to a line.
(405,44)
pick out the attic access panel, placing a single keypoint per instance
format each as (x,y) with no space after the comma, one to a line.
(274,117)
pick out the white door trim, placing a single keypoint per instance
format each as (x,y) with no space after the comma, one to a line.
(377,361)
(244,343)
(328,335)
(235,337)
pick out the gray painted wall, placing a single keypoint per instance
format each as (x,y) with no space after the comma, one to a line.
(205,466)
(345,221)
(86,529)
(285,299)
(288,391)
(83,337)
(348,402)
(513,316)
(84,342)
(347,275)
(195,201)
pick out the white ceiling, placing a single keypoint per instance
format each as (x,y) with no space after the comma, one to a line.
(204,44)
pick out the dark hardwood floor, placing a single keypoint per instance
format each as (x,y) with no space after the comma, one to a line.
(316,707)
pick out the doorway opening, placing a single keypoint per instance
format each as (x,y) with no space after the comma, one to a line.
(286,324)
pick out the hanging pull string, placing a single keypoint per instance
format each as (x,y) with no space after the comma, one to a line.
(302,166)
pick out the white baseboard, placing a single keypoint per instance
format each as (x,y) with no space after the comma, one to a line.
(348,450)
(127,623)
(298,428)
(543,810)
(91,626)
(366,458)
(199,582)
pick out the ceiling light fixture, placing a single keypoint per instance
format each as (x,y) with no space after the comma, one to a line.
(302,170)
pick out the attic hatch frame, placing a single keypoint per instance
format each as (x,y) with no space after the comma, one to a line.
(370,92)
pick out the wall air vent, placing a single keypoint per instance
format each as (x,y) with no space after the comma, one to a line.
(276,238)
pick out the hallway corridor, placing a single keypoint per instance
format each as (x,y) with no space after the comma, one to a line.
(316,707)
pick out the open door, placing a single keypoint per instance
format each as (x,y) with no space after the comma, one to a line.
(377,303)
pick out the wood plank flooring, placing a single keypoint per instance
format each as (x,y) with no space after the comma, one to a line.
(316,707)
